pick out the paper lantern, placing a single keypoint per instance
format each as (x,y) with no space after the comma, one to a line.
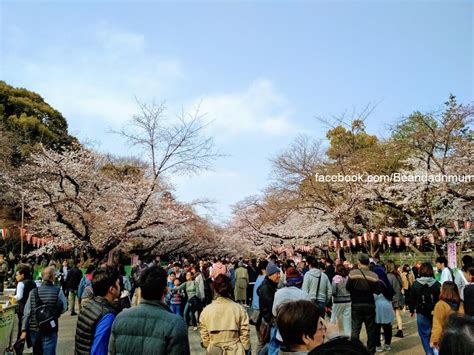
(381,238)
(398,241)
(442,232)
(456,226)
(353,241)
(389,240)
(431,238)
(407,241)
(418,241)
(359,239)
(372,236)
(365,235)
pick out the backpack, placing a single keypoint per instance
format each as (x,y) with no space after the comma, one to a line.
(427,301)
(46,315)
(88,292)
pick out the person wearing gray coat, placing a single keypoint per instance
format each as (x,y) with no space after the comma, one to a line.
(316,284)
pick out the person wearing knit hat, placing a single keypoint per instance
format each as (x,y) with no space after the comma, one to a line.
(293,277)
(291,292)
(266,294)
(272,269)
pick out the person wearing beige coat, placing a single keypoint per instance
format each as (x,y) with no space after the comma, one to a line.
(224,324)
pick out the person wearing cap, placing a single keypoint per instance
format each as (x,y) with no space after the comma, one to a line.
(266,293)
(362,284)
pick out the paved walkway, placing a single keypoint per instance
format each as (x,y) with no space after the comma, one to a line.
(410,345)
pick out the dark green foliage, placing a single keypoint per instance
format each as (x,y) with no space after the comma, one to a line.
(32,121)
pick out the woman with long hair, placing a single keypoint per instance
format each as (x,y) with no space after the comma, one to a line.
(341,299)
(383,311)
(224,324)
(423,297)
(449,303)
(398,299)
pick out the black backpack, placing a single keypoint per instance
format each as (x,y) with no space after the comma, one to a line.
(47,315)
(426,300)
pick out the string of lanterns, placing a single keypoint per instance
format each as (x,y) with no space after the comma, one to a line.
(374,237)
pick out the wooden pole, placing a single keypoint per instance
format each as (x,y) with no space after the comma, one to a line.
(22,224)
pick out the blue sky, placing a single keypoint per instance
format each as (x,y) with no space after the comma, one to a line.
(263,70)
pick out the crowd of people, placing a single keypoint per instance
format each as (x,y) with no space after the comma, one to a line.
(315,306)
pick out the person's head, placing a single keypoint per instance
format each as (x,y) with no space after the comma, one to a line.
(273,272)
(172,276)
(301,325)
(312,262)
(65,264)
(189,276)
(176,267)
(341,346)
(406,268)
(153,283)
(470,273)
(90,269)
(106,283)
(458,336)
(223,286)
(466,262)
(441,262)
(390,267)
(262,265)
(23,273)
(341,270)
(426,270)
(449,292)
(176,282)
(47,275)
(364,260)
(293,277)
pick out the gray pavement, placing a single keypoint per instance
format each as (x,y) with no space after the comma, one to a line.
(409,345)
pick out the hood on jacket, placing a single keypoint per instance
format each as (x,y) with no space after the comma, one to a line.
(430,281)
(314,272)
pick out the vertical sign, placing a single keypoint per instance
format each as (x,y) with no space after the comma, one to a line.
(452,255)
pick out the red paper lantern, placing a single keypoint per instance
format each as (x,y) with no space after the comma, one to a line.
(372,236)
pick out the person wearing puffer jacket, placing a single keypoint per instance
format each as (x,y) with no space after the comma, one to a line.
(449,303)
(316,284)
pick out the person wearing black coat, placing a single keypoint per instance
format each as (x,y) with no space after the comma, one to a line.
(73,279)
(266,293)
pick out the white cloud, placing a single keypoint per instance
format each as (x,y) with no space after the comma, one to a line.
(100,78)
(259,109)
